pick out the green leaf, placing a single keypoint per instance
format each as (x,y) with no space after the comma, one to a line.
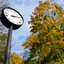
(57,60)
(45,17)
(56,7)
(54,13)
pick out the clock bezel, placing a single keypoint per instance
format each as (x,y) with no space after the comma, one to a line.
(9,23)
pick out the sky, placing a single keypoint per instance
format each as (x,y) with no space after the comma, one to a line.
(25,8)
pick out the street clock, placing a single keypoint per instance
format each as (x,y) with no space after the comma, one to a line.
(11,17)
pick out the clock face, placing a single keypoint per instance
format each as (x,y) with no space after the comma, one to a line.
(13,16)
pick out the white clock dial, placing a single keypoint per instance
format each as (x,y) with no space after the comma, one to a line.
(13,16)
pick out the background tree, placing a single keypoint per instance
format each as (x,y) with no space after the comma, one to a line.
(3,39)
(15,59)
(46,43)
(3,33)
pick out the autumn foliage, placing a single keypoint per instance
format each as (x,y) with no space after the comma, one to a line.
(15,59)
(46,43)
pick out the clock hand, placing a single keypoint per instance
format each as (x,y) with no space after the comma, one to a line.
(15,16)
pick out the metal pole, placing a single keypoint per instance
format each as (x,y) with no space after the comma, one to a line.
(8,46)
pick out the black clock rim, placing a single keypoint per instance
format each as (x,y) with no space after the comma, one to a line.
(8,23)
(14,10)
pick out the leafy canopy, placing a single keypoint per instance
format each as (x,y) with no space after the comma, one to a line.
(46,43)
(15,59)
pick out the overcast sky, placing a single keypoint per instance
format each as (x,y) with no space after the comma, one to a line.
(25,8)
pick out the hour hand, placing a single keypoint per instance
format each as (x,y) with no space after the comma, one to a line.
(15,16)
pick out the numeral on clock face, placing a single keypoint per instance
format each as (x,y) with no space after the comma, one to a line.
(19,22)
(6,15)
(7,10)
(10,10)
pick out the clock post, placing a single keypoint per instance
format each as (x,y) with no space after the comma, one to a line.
(8,46)
(12,19)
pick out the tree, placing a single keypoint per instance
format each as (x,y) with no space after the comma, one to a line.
(3,39)
(3,34)
(46,43)
(15,59)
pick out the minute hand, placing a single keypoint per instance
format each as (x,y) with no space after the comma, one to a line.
(15,16)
